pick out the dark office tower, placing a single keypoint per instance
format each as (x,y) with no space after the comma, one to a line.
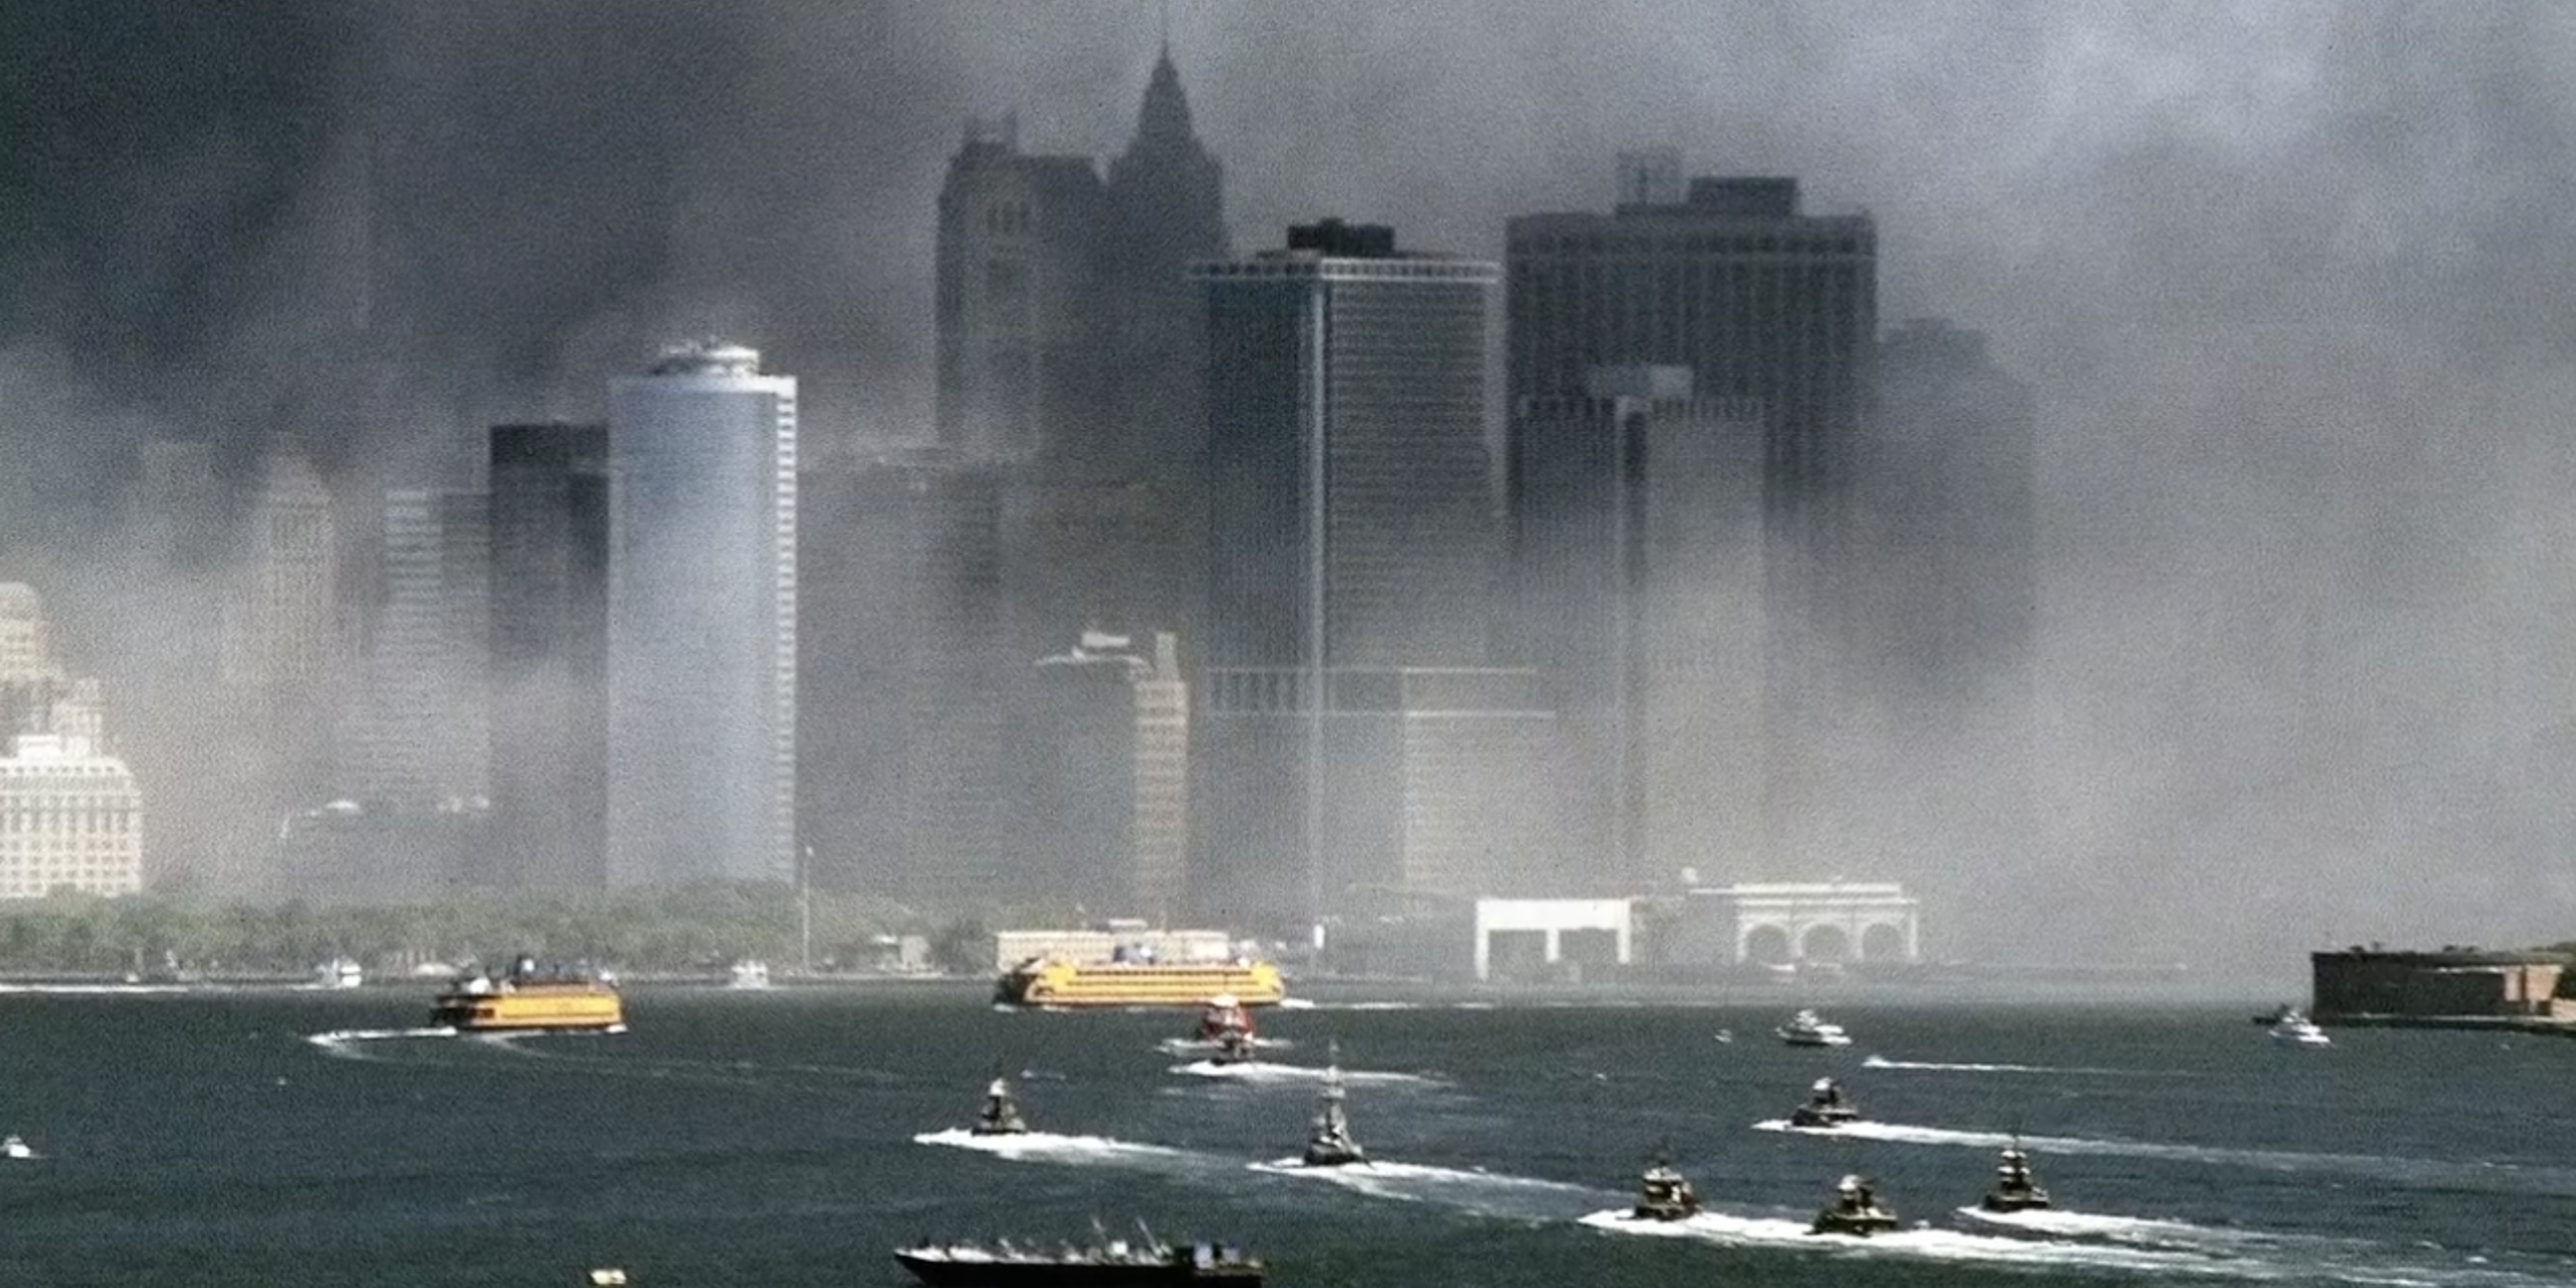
(420,741)
(549,666)
(1166,213)
(1946,514)
(1018,309)
(1761,302)
(902,735)
(1351,520)
(1350,530)
(1636,515)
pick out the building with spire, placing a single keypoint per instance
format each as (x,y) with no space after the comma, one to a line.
(1070,352)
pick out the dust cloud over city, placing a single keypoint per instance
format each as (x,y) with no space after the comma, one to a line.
(2288,284)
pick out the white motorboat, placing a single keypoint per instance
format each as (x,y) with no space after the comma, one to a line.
(749,973)
(15,1146)
(2296,1029)
(341,972)
(1807,1029)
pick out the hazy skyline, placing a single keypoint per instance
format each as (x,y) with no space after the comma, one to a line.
(2290,283)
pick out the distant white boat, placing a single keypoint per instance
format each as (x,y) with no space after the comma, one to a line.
(750,973)
(13,1146)
(1806,1029)
(341,972)
(2296,1029)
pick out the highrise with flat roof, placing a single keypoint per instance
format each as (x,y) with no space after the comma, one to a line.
(549,649)
(702,620)
(1352,553)
(1762,301)
(1636,515)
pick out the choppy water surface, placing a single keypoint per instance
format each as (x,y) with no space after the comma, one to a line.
(793,1137)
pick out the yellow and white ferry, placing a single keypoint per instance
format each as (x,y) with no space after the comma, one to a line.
(1056,981)
(527,998)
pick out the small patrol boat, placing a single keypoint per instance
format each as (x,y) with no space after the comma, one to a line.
(2015,1190)
(1001,1114)
(1103,1263)
(1329,1143)
(15,1146)
(1826,1106)
(2296,1029)
(1855,1210)
(1808,1030)
(1663,1194)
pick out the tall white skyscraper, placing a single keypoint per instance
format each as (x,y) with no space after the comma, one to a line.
(702,620)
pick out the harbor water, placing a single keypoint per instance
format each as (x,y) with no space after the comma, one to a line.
(795,1136)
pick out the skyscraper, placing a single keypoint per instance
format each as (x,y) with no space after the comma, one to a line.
(904,739)
(1636,517)
(1166,212)
(1071,350)
(71,817)
(1351,556)
(1351,513)
(1019,362)
(1946,511)
(702,620)
(422,735)
(1111,776)
(1761,301)
(549,649)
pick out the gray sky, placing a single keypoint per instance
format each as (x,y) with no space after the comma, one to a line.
(2291,281)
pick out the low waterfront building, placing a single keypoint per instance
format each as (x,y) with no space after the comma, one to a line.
(71,818)
(1797,923)
(2460,984)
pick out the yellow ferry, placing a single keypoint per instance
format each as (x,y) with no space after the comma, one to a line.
(1043,981)
(526,999)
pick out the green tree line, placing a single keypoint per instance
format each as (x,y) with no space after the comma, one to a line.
(681,929)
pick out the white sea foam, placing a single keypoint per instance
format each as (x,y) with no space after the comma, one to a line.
(1258,1071)
(345,1043)
(1935,1066)
(1047,1146)
(1923,1242)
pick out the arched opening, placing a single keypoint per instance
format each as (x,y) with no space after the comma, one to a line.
(1766,945)
(1825,944)
(1882,943)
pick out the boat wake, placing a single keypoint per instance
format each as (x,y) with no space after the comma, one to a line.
(1201,1046)
(1050,1147)
(1935,1066)
(1484,1193)
(1261,1071)
(2380,1167)
(2257,1254)
(1922,1242)
(348,1044)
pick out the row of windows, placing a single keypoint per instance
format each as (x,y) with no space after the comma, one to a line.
(1695,244)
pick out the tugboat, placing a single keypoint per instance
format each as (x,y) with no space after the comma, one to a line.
(1329,1144)
(1806,1029)
(2296,1029)
(1001,1114)
(1235,1048)
(1826,1106)
(2015,1189)
(1111,1263)
(1855,1210)
(1662,1193)
(1223,1015)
